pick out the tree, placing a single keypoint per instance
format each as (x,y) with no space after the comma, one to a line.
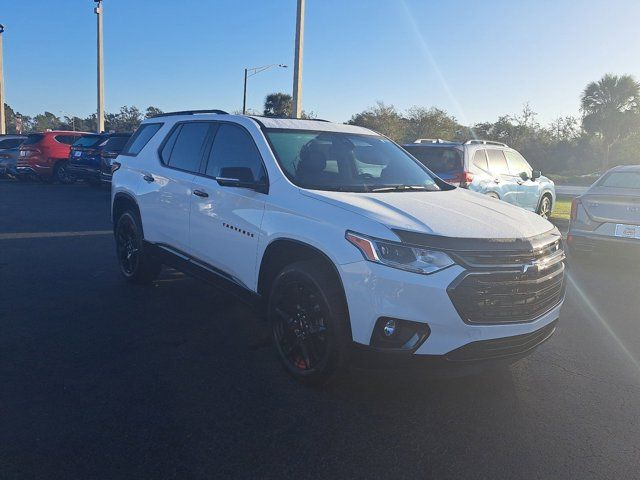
(127,120)
(611,109)
(430,123)
(382,118)
(278,105)
(152,112)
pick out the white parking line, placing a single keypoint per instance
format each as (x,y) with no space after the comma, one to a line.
(28,235)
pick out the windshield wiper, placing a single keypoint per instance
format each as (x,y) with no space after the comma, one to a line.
(401,188)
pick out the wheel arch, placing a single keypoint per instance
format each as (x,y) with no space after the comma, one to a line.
(122,202)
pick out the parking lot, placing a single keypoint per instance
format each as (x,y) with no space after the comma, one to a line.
(100,379)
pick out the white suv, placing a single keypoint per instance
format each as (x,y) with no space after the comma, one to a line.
(357,252)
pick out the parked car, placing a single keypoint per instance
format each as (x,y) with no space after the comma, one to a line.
(488,167)
(358,253)
(91,155)
(45,155)
(9,152)
(607,216)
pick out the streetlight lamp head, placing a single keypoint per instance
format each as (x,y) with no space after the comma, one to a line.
(1,28)
(282,65)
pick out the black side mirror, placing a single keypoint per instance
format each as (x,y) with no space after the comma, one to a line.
(241,177)
(524,176)
(536,174)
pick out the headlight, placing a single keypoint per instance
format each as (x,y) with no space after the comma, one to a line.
(397,255)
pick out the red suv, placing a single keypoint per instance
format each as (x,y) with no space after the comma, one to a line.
(46,155)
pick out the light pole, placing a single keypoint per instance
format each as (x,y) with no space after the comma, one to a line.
(3,122)
(250,72)
(98,11)
(297,67)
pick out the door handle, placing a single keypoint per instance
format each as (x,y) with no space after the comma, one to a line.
(148,178)
(200,193)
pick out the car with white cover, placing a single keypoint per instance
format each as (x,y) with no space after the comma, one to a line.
(357,253)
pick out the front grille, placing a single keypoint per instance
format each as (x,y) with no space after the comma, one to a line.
(502,347)
(509,287)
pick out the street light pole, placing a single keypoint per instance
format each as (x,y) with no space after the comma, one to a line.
(98,12)
(250,72)
(3,121)
(297,67)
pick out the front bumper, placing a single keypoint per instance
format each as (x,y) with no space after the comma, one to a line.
(375,291)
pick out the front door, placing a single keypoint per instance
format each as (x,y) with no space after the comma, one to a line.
(226,221)
(504,183)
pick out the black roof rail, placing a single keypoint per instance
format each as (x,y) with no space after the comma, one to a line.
(189,112)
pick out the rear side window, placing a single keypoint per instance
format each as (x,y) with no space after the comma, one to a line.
(497,162)
(139,139)
(11,143)
(438,159)
(188,146)
(234,155)
(33,139)
(480,160)
(65,139)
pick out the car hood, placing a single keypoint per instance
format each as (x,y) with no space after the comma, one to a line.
(452,213)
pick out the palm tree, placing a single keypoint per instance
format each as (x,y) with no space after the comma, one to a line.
(278,105)
(611,109)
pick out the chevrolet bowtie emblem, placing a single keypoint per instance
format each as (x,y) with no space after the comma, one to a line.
(530,266)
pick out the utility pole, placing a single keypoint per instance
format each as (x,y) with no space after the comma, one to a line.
(98,12)
(244,96)
(3,121)
(297,67)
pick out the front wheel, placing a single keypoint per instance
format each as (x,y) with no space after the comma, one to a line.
(136,264)
(309,321)
(544,209)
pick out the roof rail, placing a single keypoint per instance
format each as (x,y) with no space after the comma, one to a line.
(485,142)
(189,112)
(432,140)
(289,118)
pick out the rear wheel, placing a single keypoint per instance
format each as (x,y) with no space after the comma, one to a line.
(308,320)
(61,173)
(137,265)
(544,209)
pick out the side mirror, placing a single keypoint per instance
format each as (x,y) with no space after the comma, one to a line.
(240,177)
(536,174)
(524,176)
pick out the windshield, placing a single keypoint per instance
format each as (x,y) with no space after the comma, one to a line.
(622,180)
(347,162)
(87,141)
(437,159)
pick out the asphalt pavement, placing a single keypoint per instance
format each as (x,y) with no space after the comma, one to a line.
(100,379)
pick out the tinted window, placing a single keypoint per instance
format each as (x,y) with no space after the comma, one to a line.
(497,162)
(33,139)
(438,159)
(115,144)
(87,141)
(480,160)
(66,139)
(11,143)
(622,180)
(189,146)
(233,149)
(165,154)
(141,138)
(517,164)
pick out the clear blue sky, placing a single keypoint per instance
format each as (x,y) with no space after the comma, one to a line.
(475,59)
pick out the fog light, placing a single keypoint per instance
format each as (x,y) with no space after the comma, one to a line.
(389,328)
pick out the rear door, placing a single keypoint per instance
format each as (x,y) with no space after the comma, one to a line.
(165,193)
(503,183)
(528,189)
(226,221)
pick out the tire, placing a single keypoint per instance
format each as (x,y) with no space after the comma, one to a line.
(545,207)
(309,322)
(61,173)
(136,264)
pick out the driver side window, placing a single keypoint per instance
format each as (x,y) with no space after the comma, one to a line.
(517,164)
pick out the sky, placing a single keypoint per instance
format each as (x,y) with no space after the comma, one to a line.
(475,59)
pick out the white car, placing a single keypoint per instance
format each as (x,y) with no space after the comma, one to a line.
(357,252)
